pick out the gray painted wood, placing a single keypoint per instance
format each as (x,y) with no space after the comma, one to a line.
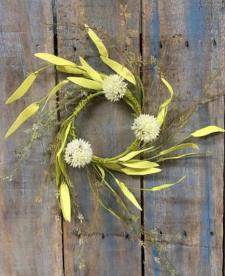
(188,217)
(30,234)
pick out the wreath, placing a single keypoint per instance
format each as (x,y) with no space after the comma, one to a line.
(145,154)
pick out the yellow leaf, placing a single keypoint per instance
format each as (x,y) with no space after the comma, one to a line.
(132,154)
(139,164)
(97,41)
(119,69)
(132,171)
(179,147)
(164,106)
(65,202)
(55,89)
(25,86)
(54,59)
(70,70)
(91,84)
(91,71)
(23,116)
(22,89)
(207,131)
(128,193)
(163,186)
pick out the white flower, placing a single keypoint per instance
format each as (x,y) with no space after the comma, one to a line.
(114,87)
(78,153)
(146,128)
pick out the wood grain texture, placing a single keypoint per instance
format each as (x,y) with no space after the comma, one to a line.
(30,234)
(187,38)
(188,217)
(104,249)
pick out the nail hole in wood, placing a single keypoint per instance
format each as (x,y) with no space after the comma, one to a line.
(187,43)
(103,236)
(160,232)
(127,236)
(212,233)
(160,44)
(185,233)
(214,42)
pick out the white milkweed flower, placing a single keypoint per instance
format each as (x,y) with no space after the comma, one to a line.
(146,128)
(78,153)
(114,87)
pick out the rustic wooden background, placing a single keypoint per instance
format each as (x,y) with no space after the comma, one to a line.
(189,218)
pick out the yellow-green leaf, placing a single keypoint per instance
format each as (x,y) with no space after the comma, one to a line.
(163,186)
(90,84)
(179,147)
(64,139)
(91,71)
(132,154)
(178,156)
(59,159)
(113,166)
(139,164)
(23,116)
(207,131)
(65,202)
(70,70)
(128,193)
(102,173)
(23,88)
(119,69)
(55,89)
(132,171)
(164,106)
(97,41)
(54,59)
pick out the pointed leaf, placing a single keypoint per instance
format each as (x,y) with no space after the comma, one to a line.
(163,186)
(22,89)
(64,136)
(179,147)
(164,106)
(59,158)
(179,156)
(128,193)
(119,69)
(91,71)
(54,59)
(97,41)
(207,131)
(70,70)
(140,164)
(65,202)
(91,84)
(132,171)
(132,154)
(55,89)
(23,116)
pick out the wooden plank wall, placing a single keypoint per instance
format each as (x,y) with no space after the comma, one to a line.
(30,227)
(186,37)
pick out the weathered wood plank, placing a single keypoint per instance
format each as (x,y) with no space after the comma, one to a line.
(30,235)
(189,218)
(106,249)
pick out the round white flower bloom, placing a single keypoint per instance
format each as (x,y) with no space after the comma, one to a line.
(78,153)
(114,87)
(146,128)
